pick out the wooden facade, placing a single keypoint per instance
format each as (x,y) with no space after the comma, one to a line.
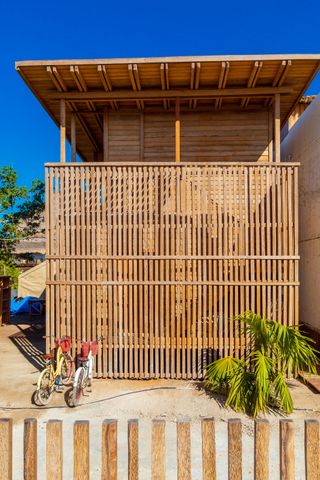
(181,214)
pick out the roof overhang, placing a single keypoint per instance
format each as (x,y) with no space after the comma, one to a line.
(91,86)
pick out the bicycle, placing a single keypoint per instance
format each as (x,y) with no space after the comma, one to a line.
(56,374)
(83,375)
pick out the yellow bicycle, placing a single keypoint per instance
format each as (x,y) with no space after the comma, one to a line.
(57,372)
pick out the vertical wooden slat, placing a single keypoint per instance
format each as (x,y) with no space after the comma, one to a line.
(6,448)
(261,449)
(312,449)
(54,459)
(287,462)
(208,449)
(106,135)
(81,469)
(234,449)
(109,451)
(30,449)
(133,450)
(183,450)
(158,450)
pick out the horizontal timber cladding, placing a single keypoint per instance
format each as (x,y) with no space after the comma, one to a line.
(157,259)
(205,136)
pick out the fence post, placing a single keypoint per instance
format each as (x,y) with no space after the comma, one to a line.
(81,468)
(133,450)
(109,450)
(234,449)
(312,450)
(208,449)
(54,450)
(183,449)
(158,446)
(30,449)
(6,448)
(286,450)
(261,449)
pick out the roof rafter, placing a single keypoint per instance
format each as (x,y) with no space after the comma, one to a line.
(136,86)
(163,83)
(106,82)
(280,77)
(255,72)
(197,81)
(224,72)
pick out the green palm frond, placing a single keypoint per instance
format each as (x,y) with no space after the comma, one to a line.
(241,390)
(282,393)
(221,371)
(256,328)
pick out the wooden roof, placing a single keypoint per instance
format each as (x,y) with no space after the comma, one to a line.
(90,86)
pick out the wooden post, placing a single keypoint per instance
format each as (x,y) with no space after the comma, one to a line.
(62,131)
(277,127)
(109,450)
(54,450)
(6,448)
(178,138)
(30,449)
(133,450)
(208,449)
(183,450)
(312,450)
(105,135)
(158,447)
(261,449)
(286,450)
(73,139)
(141,137)
(234,449)
(81,470)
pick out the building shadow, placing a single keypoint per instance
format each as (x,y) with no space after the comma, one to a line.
(29,340)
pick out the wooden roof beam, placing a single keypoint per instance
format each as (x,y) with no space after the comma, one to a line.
(197,81)
(56,79)
(224,72)
(105,80)
(255,72)
(82,87)
(163,82)
(155,94)
(279,77)
(192,79)
(134,84)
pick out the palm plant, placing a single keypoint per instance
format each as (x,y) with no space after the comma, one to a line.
(258,381)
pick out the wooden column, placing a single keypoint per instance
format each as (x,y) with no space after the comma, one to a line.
(277,127)
(106,135)
(73,139)
(178,144)
(62,131)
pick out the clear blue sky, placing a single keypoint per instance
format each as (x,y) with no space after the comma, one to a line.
(97,29)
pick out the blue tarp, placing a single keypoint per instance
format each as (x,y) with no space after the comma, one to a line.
(20,305)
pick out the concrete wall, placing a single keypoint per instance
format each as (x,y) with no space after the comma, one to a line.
(302,144)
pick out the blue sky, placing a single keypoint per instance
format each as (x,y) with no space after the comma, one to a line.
(97,29)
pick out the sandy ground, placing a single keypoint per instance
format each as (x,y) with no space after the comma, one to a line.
(123,400)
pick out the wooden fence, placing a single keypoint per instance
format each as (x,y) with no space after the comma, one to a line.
(157,258)
(56,454)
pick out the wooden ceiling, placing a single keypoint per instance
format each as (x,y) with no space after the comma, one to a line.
(211,82)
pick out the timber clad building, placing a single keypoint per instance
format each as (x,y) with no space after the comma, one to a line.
(180,214)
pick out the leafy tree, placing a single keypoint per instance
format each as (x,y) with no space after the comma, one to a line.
(258,382)
(21,211)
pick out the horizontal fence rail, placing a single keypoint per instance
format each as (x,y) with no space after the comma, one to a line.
(158,259)
(57,456)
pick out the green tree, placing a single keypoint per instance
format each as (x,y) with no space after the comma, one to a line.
(258,382)
(21,211)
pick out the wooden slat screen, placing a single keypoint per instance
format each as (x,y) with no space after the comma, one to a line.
(158,258)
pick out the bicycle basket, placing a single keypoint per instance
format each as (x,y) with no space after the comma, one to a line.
(65,344)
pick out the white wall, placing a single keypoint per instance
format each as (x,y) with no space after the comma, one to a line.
(302,144)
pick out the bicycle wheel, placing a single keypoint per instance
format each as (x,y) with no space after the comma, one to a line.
(45,387)
(77,386)
(66,368)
